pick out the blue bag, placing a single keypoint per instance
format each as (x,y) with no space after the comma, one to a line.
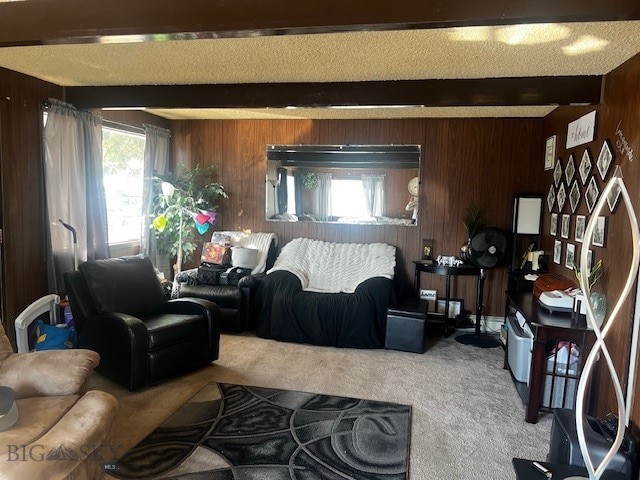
(50,337)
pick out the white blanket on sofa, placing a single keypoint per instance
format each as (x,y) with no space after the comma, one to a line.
(335,267)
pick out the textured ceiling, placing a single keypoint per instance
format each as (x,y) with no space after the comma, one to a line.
(465,52)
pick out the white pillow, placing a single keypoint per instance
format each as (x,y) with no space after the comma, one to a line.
(244,257)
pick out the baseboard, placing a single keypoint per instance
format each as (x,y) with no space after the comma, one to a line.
(493,324)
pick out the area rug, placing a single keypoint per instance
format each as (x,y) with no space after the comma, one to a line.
(235,432)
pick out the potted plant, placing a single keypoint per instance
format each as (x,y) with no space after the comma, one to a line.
(184,205)
(472,221)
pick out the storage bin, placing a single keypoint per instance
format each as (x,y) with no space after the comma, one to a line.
(557,381)
(405,327)
(519,348)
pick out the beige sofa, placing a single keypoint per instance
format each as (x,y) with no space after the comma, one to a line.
(60,430)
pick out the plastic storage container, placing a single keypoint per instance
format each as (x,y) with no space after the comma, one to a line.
(519,347)
(560,397)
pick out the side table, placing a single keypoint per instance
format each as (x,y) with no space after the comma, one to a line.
(448,272)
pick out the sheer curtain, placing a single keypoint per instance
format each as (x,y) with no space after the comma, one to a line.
(156,162)
(374,194)
(323,196)
(72,146)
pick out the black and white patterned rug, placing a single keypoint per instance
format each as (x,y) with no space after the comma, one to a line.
(235,432)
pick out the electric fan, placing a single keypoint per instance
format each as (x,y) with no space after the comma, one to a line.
(488,248)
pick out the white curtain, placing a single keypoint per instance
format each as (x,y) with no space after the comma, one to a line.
(374,194)
(72,146)
(323,197)
(156,163)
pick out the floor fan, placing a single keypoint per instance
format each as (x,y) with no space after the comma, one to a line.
(487,249)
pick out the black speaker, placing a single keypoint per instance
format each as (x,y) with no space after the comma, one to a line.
(565,449)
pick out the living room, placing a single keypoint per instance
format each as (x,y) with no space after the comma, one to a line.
(465,162)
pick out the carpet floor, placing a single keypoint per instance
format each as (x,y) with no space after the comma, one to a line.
(227,432)
(467,418)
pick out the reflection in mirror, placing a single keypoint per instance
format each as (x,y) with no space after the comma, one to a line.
(354,184)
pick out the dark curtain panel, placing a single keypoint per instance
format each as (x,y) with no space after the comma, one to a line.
(283,195)
(298,186)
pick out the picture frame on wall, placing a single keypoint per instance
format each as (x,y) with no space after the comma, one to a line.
(581,130)
(550,152)
(561,197)
(592,193)
(574,196)
(605,158)
(581,226)
(585,166)
(557,174)
(570,169)
(570,256)
(553,227)
(557,251)
(551,198)
(566,222)
(599,232)
(612,198)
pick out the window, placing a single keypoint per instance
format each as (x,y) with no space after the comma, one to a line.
(123,177)
(347,198)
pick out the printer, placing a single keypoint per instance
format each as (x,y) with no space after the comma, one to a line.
(566,301)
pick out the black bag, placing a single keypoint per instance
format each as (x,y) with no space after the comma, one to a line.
(210,274)
(233,276)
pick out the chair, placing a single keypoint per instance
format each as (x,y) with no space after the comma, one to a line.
(58,426)
(235,301)
(121,312)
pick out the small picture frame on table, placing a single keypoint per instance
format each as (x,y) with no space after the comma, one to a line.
(427,249)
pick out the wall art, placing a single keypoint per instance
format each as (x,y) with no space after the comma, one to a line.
(557,251)
(599,232)
(570,169)
(550,152)
(591,195)
(551,198)
(582,130)
(557,174)
(612,199)
(561,197)
(622,144)
(585,166)
(564,230)
(570,256)
(574,196)
(581,226)
(553,227)
(604,159)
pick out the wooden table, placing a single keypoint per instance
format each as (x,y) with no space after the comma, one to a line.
(448,272)
(546,328)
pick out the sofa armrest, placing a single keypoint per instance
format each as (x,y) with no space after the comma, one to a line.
(122,342)
(251,281)
(190,277)
(48,372)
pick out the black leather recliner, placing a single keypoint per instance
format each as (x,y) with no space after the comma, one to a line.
(120,311)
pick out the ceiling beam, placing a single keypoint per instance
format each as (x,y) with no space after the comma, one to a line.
(37,22)
(428,93)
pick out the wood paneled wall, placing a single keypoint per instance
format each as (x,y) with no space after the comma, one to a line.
(619,111)
(465,162)
(24,271)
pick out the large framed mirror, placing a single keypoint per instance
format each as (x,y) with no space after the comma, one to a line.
(346,184)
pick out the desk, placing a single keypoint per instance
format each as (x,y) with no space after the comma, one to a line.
(547,330)
(462,270)
(525,471)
